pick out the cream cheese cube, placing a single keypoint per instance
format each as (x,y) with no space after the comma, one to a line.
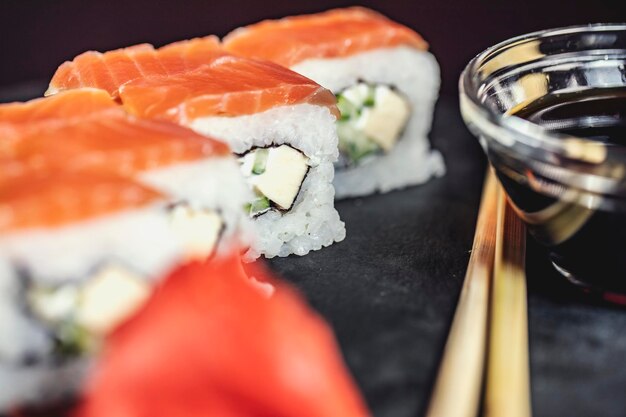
(108,298)
(384,122)
(198,230)
(284,172)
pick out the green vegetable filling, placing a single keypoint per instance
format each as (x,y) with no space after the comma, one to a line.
(354,145)
(257,206)
(71,340)
(346,108)
(260,161)
(261,204)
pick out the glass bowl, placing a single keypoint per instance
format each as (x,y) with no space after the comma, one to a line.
(570,191)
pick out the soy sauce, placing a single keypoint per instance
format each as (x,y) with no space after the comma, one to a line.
(598,114)
(587,245)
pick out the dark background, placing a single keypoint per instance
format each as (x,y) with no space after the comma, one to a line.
(37,35)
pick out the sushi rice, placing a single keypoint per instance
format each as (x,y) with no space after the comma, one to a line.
(415,74)
(312,222)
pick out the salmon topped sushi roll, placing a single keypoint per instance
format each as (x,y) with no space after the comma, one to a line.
(110,70)
(199,175)
(386,83)
(282,127)
(79,253)
(279,123)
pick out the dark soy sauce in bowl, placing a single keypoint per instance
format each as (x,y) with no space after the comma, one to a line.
(549,109)
(598,114)
(586,242)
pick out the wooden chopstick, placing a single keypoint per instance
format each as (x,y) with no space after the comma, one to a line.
(459,382)
(507,390)
(499,247)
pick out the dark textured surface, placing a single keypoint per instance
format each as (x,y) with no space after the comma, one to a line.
(391,287)
(389,290)
(577,347)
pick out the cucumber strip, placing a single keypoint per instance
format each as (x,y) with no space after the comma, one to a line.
(353,144)
(370,100)
(366,127)
(258,206)
(260,161)
(71,340)
(347,108)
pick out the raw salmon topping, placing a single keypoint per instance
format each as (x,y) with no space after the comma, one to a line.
(228,86)
(332,34)
(189,79)
(107,138)
(64,108)
(110,70)
(56,197)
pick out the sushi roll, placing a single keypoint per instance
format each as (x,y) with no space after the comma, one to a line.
(278,123)
(386,83)
(85,129)
(79,254)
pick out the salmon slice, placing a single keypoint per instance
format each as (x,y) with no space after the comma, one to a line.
(229,86)
(96,71)
(119,64)
(58,197)
(64,108)
(108,138)
(110,70)
(147,61)
(189,79)
(188,55)
(17,119)
(209,343)
(67,73)
(332,34)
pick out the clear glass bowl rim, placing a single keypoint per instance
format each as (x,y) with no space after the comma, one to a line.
(486,122)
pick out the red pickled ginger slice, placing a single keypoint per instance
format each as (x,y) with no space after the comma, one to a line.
(209,343)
